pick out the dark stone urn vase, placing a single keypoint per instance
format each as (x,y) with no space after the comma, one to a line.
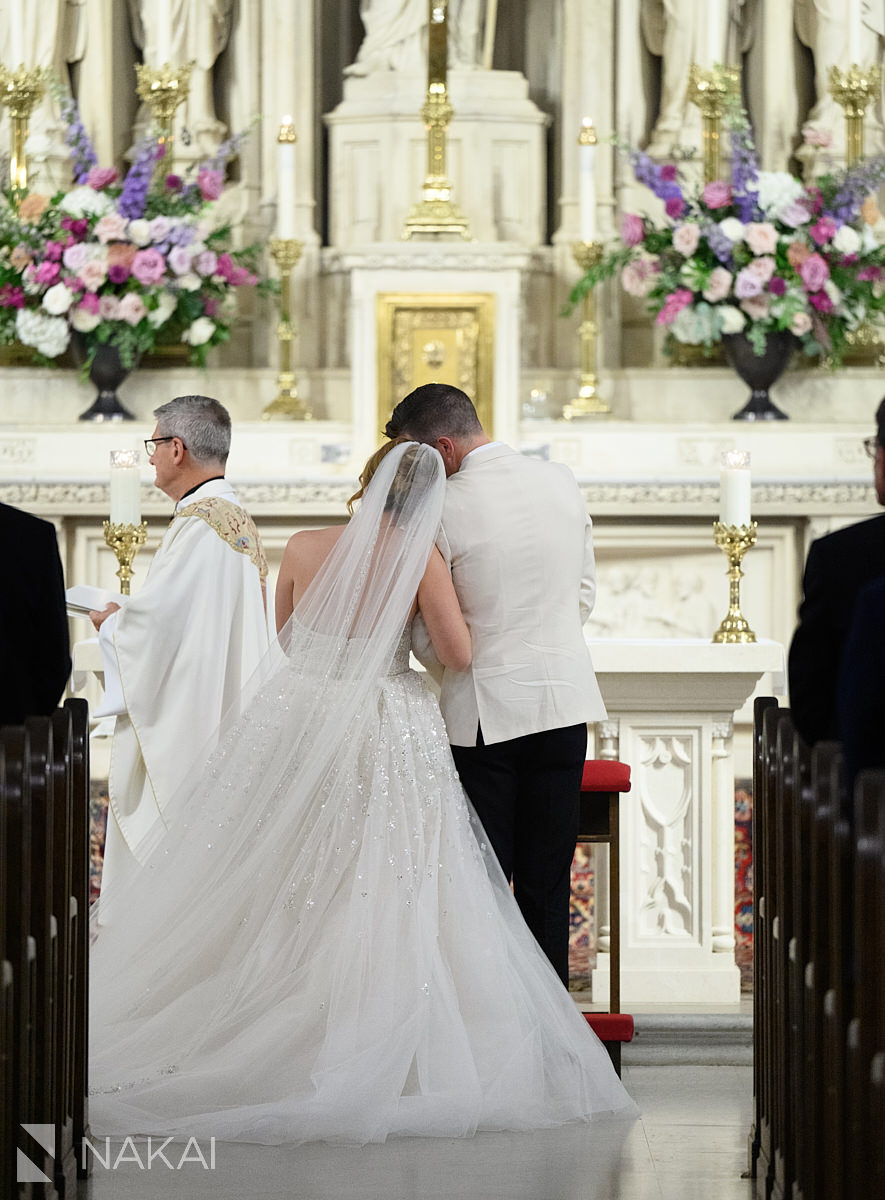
(760,371)
(106,373)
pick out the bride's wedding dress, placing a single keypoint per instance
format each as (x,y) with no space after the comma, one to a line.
(323,945)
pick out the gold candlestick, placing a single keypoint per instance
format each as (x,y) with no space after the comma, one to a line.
(21,91)
(587,403)
(710,91)
(286,405)
(854,90)
(124,540)
(734,541)
(436,213)
(163,89)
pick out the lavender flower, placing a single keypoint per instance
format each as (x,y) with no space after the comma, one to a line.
(721,245)
(133,198)
(78,141)
(858,182)
(655,177)
(744,174)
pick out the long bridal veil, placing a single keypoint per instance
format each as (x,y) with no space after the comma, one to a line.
(319,945)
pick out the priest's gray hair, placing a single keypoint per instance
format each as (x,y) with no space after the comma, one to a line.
(202,424)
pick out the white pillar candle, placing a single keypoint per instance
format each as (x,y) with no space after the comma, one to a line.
(734,488)
(164,31)
(587,143)
(854,17)
(125,488)
(714,48)
(286,179)
(16,33)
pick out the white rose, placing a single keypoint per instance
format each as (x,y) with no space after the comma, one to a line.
(868,239)
(190,282)
(733,320)
(83,320)
(733,229)
(847,240)
(164,310)
(139,232)
(58,299)
(777,190)
(49,335)
(200,332)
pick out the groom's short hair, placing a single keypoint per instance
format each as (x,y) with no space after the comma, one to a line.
(432,411)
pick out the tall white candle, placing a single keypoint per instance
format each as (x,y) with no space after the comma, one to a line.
(714,48)
(854,18)
(164,31)
(286,179)
(734,488)
(125,488)
(16,33)
(587,142)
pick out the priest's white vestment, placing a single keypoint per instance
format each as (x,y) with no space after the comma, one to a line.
(177,655)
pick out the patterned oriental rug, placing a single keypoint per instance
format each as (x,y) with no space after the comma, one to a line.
(582,934)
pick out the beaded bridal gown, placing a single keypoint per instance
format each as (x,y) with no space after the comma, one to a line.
(322,946)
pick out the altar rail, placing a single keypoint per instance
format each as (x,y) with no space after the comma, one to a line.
(819,1020)
(44,945)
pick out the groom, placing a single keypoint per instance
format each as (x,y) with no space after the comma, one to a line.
(518,541)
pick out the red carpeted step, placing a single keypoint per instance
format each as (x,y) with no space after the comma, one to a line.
(611,1027)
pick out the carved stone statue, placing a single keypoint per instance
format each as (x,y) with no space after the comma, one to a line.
(396,35)
(199,32)
(678,32)
(822,26)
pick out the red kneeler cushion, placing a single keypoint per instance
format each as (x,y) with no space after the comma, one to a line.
(603,775)
(611,1027)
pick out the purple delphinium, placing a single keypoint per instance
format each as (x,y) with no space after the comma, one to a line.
(78,141)
(721,245)
(744,174)
(859,181)
(133,198)
(659,179)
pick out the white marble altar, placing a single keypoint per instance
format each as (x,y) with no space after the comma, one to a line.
(671,706)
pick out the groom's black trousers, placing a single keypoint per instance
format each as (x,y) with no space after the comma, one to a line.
(527,793)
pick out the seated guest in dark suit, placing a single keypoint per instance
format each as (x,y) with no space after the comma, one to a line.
(838,567)
(35,657)
(861,694)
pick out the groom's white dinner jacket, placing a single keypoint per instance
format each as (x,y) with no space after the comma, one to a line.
(519,543)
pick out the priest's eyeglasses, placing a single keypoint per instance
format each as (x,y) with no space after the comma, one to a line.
(871,445)
(151,444)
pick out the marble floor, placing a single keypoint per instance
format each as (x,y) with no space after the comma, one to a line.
(689,1143)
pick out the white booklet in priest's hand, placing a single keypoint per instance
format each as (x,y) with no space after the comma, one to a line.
(81,599)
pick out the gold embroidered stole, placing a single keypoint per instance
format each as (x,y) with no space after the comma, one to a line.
(232,524)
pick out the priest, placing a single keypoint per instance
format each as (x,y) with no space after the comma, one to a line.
(178,653)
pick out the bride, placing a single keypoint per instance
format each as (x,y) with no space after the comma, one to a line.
(322,945)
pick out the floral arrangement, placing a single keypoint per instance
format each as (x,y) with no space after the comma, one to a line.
(132,264)
(759,253)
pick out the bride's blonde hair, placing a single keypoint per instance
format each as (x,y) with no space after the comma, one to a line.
(371,467)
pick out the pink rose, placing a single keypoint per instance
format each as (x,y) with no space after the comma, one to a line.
(131,309)
(90,302)
(686,238)
(180,260)
(717,194)
(757,308)
(762,268)
(636,277)
(762,237)
(674,207)
(747,284)
(800,324)
(118,273)
(823,230)
(108,307)
(632,229)
(47,272)
(111,228)
(673,306)
(93,274)
(101,177)
(821,301)
(814,272)
(719,286)
(75,256)
(210,183)
(148,266)
(819,138)
(868,274)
